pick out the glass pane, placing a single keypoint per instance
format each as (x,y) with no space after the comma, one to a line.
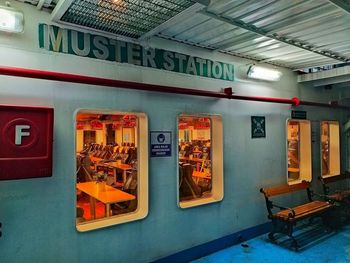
(325,147)
(348,151)
(195,167)
(107,170)
(293,150)
(110,134)
(89,137)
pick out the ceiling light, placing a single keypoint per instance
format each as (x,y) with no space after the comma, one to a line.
(11,20)
(264,73)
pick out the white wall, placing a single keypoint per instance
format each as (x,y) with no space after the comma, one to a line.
(38,215)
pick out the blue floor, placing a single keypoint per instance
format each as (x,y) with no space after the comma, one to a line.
(328,247)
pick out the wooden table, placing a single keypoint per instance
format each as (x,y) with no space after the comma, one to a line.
(119,166)
(201,175)
(108,197)
(95,159)
(293,170)
(199,162)
(192,159)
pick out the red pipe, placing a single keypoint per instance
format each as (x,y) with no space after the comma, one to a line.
(293,101)
(330,105)
(48,75)
(57,76)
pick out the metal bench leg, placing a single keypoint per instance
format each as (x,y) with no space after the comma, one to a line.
(330,221)
(271,236)
(275,229)
(295,244)
(290,234)
(283,227)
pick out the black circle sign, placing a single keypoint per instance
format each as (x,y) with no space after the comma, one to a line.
(161,138)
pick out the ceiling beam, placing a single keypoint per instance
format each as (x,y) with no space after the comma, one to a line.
(59,10)
(341,4)
(40,4)
(203,2)
(288,55)
(189,12)
(275,36)
(314,64)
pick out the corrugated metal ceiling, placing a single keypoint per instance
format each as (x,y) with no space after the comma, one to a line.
(294,34)
(131,18)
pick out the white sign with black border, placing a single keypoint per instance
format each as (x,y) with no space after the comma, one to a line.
(160,143)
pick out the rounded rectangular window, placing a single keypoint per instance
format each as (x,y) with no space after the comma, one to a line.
(347,144)
(298,151)
(330,148)
(111,168)
(200,153)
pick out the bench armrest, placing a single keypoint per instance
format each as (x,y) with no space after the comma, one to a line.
(339,191)
(324,196)
(292,212)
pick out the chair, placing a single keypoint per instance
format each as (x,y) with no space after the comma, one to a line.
(84,173)
(79,215)
(188,188)
(130,186)
(132,155)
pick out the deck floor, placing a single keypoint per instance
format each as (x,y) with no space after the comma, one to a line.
(328,247)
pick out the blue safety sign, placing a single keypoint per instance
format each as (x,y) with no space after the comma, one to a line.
(160,143)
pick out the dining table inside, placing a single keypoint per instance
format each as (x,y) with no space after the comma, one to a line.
(109,195)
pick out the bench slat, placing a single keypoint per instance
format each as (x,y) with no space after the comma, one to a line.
(283,189)
(303,210)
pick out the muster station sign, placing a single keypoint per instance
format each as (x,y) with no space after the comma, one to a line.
(26,135)
(82,44)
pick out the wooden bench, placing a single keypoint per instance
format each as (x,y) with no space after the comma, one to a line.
(339,195)
(284,220)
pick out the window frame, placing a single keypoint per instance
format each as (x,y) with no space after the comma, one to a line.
(305,169)
(142,185)
(217,167)
(338,168)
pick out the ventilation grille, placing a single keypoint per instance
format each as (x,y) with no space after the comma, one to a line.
(130,18)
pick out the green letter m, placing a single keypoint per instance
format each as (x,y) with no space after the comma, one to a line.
(53,38)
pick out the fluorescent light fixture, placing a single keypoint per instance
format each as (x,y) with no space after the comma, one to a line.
(11,20)
(264,73)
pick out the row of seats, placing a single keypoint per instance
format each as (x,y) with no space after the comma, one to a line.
(201,149)
(126,153)
(97,150)
(188,188)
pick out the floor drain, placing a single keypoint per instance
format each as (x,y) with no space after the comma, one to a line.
(246,247)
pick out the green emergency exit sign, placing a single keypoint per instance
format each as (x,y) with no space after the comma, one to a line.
(298,114)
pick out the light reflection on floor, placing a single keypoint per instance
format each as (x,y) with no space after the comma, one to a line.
(333,248)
